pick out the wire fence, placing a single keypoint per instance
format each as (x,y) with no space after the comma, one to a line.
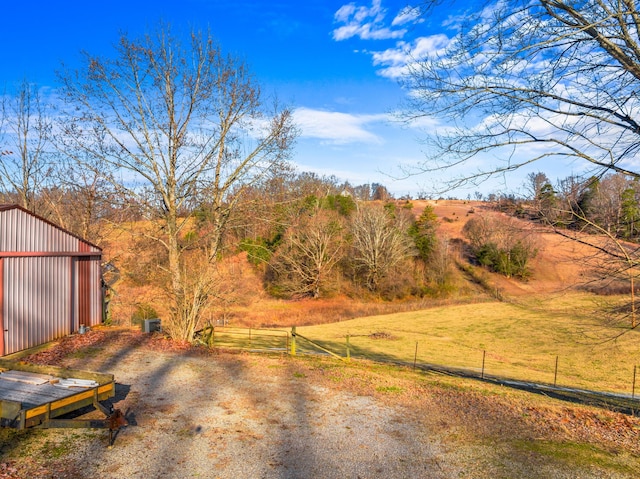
(251,339)
(488,367)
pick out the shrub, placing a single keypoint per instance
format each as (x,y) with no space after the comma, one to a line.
(143,311)
(501,246)
(258,251)
(343,204)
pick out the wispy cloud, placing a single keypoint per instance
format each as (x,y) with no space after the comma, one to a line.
(407,15)
(393,62)
(367,23)
(370,23)
(337,127)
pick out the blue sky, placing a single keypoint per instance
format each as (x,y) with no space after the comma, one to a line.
(335,63)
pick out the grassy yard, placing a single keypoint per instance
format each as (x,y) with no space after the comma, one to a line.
(521,341)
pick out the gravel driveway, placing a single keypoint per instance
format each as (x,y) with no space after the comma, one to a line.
(231,416)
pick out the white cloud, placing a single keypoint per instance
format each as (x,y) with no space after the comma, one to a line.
(351,12)
(394,61)
(407,15)
(367,31)
(337,127)
(367,23)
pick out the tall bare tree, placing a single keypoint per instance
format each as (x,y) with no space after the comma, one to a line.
(380,242)
(310,250)
(527,80)
(174,125)
(24,134)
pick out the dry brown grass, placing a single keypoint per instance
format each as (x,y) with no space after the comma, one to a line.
(561,263)
(242,301)
(281,313)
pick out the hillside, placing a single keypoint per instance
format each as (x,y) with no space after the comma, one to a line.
(558,267)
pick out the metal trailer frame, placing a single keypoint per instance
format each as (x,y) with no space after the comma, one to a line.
(25,406)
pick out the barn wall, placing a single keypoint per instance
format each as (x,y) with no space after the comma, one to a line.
(50,282)
(34,234)
(36,301)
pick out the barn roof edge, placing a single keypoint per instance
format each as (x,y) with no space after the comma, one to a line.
(7,207)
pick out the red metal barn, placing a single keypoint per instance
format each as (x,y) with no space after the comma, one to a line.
(50,281)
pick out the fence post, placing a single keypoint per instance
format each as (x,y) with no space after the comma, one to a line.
(415,356)
(348,349)
(293,341)
(555,374)
(484,354)
(633,389)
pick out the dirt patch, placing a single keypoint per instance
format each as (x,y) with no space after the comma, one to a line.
(382,335)
(196,413)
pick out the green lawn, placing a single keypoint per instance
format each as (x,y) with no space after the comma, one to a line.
(521,341)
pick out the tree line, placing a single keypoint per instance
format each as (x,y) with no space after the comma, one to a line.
(610,202)
(319,239)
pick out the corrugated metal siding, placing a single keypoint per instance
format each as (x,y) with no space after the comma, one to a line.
(36,235)
(2,327)
(88,288)
(37,301)
(43,298)
(95,293)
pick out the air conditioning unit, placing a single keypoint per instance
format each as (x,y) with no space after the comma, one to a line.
(151,325)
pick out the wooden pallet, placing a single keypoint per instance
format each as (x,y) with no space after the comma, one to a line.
(25,377)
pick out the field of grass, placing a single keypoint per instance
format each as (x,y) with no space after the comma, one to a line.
(521,341)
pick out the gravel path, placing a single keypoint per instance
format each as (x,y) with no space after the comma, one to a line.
(204,417)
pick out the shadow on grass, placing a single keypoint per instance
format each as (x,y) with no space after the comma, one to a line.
(216,410)
(623,403)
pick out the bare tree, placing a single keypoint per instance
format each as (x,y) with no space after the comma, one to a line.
(531,80)
(535,182)
(175,125)
(380,241)
(310,250)
(440,261)
(534,185)
(24,132)
(606,207)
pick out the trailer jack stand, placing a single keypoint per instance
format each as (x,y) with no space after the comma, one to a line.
(114,421)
